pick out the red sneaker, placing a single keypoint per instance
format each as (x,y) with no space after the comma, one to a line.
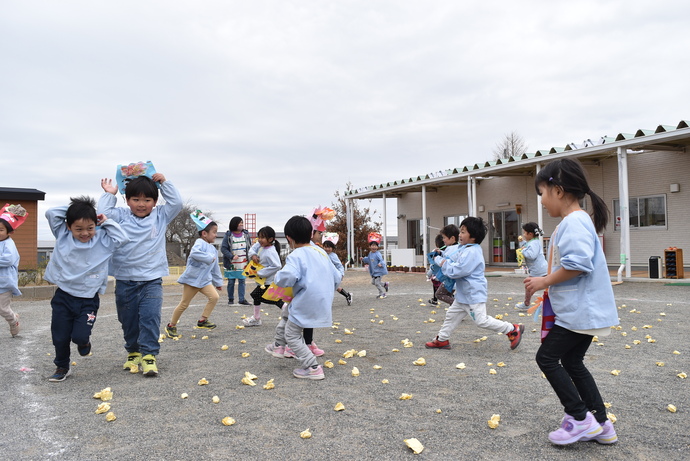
(436,344)
(515,336)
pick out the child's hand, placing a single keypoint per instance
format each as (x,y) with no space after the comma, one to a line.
(219,288)
(107,185)
(255,258)
(534,284)
(100,219)
(158,177)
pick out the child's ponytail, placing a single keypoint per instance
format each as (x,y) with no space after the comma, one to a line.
(600,216)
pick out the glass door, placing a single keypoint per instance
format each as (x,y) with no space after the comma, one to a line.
(504,229)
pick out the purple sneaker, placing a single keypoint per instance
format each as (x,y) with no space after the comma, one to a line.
(607,436)
(572,430)
(275,351)
(309,373)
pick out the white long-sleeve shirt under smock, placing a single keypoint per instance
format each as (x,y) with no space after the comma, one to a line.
(202,266)
(336,262)
(81,268)
(585,302)
(144,258)
(9,267)
(534,258)
(313,278)
(269,258)
(466,267)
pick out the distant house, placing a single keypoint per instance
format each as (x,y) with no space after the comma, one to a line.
(26,236)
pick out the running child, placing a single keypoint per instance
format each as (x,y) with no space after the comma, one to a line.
(533,254)
(377,268)
(579,289)
(329,248)
(140,265)
(11,217)
(84,245)
(466,267)
(201,275)
(313,279)
(266,251)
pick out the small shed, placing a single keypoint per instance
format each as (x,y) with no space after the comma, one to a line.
(26,236)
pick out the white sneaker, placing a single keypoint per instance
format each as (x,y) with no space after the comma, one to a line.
(251,322)
(521,306)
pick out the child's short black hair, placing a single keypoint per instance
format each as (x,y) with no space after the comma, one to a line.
(329,244)
(299,229)
(439,241)
(143,185)
(7,226)
(476,227)
(208,228)
(83,207)
(374,242)
(451,230)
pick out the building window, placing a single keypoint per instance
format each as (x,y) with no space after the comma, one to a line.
(453,220)
(648,212)
(415,237)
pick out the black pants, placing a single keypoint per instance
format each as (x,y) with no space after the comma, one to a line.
(561,357)
(72,321)
(257,296)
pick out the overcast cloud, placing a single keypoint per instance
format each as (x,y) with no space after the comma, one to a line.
(269,107)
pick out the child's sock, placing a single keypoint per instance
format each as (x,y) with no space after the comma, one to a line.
(257,311)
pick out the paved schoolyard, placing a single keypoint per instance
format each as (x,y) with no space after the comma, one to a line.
(43,420)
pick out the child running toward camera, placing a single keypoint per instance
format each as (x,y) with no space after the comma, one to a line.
(313,279)
(377,268)
(579,289)
(266,251)
(466,267)
(202,274)
(84,245)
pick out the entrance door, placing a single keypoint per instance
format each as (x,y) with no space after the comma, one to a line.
(504,229)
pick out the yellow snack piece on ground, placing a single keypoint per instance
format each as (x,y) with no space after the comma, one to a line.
(420,361)
(110,417)
(224,347)
(102,408)
(202,382)
(245,354)
(494,421)
(248,381)
(615,372)
(184,395)
(384,381)
(377,367)
(362,354)
(461,366)
(249,375)
(339,406)
(355,371)
(215,399)
(414,445)
(404,396)
(269,384)
(672,408)
(342,362)
(328,364)
(305,434)
(228,421)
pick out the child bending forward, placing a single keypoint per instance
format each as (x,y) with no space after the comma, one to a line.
(313,279)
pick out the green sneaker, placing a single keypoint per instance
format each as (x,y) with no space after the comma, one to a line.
(149,365)
(133,360)
(171,332)
(205,324)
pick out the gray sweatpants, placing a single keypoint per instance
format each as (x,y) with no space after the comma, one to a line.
(376,281)
(477,312)
(290,334)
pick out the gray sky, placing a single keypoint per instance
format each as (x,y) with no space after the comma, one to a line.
(270,106)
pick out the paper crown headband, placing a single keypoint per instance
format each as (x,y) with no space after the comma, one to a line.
(200,219)
(374,237)
(15,215)
(330,236)
(319,216)
(125,173)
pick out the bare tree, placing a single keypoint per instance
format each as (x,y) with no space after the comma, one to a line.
(363,224)
(181,231)
(511,144)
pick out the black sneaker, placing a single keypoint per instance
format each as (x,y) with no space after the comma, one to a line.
(60,374)
(84,349)
(349,299)
(244,302)
(385,285)
(433,301)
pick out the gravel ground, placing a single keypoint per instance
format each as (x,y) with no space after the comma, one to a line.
(43,420)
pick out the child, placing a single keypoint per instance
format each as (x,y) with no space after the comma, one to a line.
(201,275)
(11,217)
(443,284)
(329,248)
(313,279)
(581,298)
(266,251)
(140,265)
(466,267)
(235,249)
(377,268)
(533,254)
(79,268)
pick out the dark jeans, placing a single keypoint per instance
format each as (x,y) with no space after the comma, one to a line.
(560,357)
(139,307)
(72,321)
(240,289)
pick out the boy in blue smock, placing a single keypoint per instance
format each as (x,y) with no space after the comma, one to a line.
(377,268)
(84,244)
(466,267)
(140,265)
(313,279)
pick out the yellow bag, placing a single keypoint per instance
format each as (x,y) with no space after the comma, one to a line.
(251,272)
(275,293)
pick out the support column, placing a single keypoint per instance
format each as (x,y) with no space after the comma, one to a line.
(425,228)
(385,231)
(624,201)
